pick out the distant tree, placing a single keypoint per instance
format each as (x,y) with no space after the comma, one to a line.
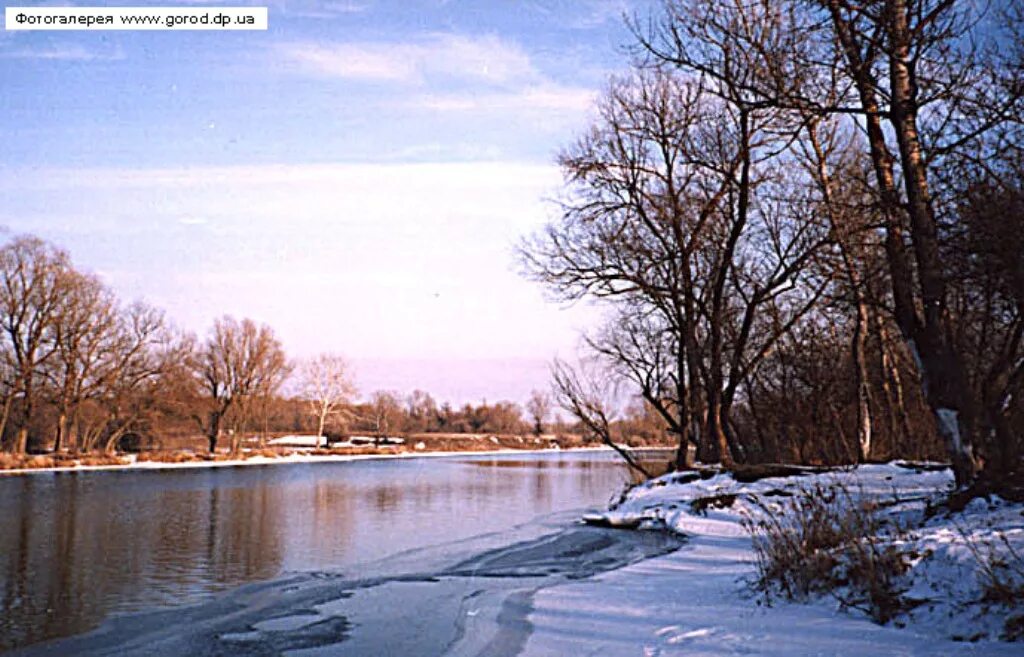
(386,410)
(327,385)
(422,411)
(539,408)
(238,361)
(503,417)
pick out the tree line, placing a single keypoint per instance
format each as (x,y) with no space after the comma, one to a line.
(805,219)
(81,371)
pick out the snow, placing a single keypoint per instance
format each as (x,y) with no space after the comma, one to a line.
(698,600)
(320,441)
(298,441)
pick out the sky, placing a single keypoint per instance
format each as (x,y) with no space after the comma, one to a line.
(357,176)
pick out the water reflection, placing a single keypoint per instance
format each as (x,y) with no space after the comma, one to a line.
(76,547)
(81,550)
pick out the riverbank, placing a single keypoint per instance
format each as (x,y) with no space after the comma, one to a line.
(262,457)
(702,599)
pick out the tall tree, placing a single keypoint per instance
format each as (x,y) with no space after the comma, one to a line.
(238,361)
(35,278)
(677,215)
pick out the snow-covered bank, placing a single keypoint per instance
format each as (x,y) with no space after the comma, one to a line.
(698,601)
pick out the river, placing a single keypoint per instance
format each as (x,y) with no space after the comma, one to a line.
(399,556)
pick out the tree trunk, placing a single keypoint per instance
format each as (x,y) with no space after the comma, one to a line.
(21,442)
(62,427)
(320,427)
(851,259)
(213,432)
(4,416)
(942,373)
(858,350)
(73,430)
(716,430)
(899,420)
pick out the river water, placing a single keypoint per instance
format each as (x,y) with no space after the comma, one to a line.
(289,557)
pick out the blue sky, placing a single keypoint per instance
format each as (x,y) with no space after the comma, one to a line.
(356,176)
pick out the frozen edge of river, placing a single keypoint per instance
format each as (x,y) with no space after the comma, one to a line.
(477,605)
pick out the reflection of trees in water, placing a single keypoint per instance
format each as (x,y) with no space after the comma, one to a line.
(75,548)
(79,552)
(333,519)
(245,539)
(541,488)
(590,476)
(386,498)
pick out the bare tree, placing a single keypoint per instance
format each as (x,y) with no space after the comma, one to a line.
(327,385)
(86,334)
(34,279)
(131,377)
(679,217)
(387,413)
(922,92)
(539,409)
(422,411)
(238,361)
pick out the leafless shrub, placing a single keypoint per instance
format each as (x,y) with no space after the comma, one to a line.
(1001,576)
(823,540)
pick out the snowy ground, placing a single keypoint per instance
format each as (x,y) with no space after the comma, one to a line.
(697,601)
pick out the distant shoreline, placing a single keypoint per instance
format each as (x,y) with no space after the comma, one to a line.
(299,457)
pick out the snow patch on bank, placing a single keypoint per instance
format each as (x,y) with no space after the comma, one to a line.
(698,601)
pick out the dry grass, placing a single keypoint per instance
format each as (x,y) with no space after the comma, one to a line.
(23,462)
(822,540)
(168,457)
(266,453)
(36,462)
(101,459)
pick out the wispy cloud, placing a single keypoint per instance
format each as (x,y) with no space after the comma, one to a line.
(351,61)
(599,12)
(323,9)
(67,53)
(540,97)
(487,59)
